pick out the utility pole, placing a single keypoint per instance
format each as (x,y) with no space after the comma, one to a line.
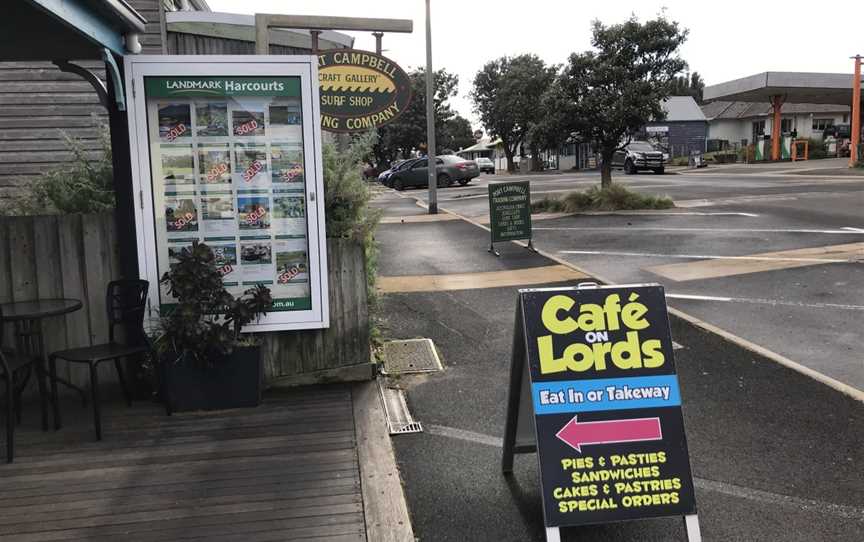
(430,119)
(856,114)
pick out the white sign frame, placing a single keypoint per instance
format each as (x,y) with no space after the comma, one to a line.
(137,67)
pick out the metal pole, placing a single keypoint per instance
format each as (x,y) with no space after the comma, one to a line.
(430,119)
(378,36)
(856,114)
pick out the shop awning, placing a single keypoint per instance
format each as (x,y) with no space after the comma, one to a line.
(796,87)
(32,30)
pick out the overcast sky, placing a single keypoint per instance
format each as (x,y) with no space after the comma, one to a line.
(727,40)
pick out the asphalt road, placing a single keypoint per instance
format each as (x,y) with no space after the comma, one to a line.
(775,454)
(716,253)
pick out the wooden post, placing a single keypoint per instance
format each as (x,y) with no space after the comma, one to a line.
(856,113)
(378,36)
(314,35)
(776,136)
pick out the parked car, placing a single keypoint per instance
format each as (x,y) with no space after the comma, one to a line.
(639,156)
(449,169)
(384,177)
(485,165)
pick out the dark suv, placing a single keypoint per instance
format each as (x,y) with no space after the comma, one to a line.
(639,156)
(449,169)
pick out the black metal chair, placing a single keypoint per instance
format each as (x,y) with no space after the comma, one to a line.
(15,365)
(126,302)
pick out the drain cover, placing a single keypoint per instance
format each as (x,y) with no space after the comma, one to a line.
(410,356)
(399,419)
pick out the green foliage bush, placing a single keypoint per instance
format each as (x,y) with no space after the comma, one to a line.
(817,149)
(83,185)
(346,200)
(614,197)
(206,322)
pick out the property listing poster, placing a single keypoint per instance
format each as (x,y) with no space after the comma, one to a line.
(228,170)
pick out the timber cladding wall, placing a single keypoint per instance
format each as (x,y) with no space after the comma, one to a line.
(38,103)
(75,256)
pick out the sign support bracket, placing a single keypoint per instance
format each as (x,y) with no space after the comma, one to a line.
(492,249)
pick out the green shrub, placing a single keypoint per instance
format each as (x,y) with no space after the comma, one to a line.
(817,149)
(615,197)
(346,201)
(84,185)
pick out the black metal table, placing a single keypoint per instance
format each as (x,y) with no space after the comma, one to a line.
(27,316)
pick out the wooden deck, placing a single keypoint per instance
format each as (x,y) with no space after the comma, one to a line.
(287,470)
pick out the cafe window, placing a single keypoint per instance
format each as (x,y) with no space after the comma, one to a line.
(758,129)
(820,125)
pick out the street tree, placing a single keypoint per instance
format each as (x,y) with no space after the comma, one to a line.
(689,85)
(554,127)
(456,133)
(407,133)
(507,94)
(618,87)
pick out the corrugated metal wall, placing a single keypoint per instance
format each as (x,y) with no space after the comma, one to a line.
(190,44)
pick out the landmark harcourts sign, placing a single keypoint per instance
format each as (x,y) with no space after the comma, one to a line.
(360,90)
(227,152)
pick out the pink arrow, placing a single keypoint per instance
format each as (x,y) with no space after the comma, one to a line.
(577,434)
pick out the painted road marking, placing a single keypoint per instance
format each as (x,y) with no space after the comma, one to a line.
(472,281)
(833,383)
(857,230)
(757,258)
(733,490)
(759,301)
(755,198)
(756,263)
(639,229)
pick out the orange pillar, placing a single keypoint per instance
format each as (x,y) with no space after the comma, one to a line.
(776,136)
(856,114)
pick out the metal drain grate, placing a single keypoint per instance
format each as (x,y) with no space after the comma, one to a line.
(399,419)
(410,356)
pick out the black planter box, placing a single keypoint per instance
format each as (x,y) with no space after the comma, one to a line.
(234,381)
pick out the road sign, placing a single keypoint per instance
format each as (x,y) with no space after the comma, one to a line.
(509,212)
(605,403)
(360,91)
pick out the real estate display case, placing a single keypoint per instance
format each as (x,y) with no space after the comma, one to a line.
(226,150)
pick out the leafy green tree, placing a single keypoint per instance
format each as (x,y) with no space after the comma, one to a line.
(456,134)
(689,85)
(507,94)
(618,87)
(408,132)
(553,129)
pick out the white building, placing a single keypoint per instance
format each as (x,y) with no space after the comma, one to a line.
(735,122)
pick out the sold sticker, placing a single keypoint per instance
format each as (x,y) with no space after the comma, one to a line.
(256,215)
(252,170)
(176,132)
(246,127)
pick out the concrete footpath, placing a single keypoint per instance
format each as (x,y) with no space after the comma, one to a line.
(776,456)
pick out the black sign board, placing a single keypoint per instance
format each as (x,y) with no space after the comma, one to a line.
(509,212)
(359,90)
(605,402)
